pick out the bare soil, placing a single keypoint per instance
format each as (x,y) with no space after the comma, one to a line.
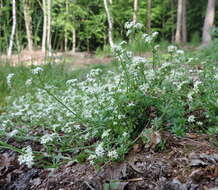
(189,163)
(38,58)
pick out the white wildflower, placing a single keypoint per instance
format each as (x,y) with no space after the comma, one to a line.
(131,104)
(154,34)
(190,94)
(196,84)
(181,52)
(27,158)
(156,47)
(92,157)
(138,59)
(148,39)
(138,26)
(125,134)
(128,25)
(28,82)
(216,76)
(37,70)
(105,133)
(72,82)
(77,126)
(199,123)
(47,138)
(113,154)
(172,48)
(99,151)
(9,78)
(191,118)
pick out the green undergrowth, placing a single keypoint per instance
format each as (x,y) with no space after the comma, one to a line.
(97,114)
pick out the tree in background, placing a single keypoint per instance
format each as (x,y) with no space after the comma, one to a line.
(208,22)
(44,35)
(181,30)
(149,16)
(28,23)
(135,11)
(88,25)
(13,28)
(49,26)
(110,23)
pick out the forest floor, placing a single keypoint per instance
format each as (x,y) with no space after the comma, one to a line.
(188,163)
(183,164)
(75,60)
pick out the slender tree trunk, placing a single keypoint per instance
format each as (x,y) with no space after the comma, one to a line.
(65,41)
(1,6)
(28,24)
(135,10)
(208,22)
(44,35)
(184,26)
(74,41)
(172,24)
(110,23)
(178,37)
(149,16)
(49,27)
(13,28)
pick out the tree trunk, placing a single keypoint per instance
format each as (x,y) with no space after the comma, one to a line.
(135,10)
(28,24)
(178,37)
(13,28)
(110,23)
(44,37)
(208,22)
(66,29)
(172,24)
(1,7)
(149,16)
(49,27)
(184,26)
(65,41)
(74,41)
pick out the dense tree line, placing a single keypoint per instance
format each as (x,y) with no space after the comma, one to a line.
(85,25)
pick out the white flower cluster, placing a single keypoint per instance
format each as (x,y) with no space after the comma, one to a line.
(37,70)
(105,133)
(99,151)
(27,158)
(113,154)
(172,48)
(150,38)
(28,82)
(131,26)
(47,138)
(191,119)
(9,79)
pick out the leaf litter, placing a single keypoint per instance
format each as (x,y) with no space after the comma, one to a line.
(184,164)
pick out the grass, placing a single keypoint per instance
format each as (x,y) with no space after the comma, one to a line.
(96,114)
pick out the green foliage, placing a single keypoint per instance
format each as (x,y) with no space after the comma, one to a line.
(88,18)
(99,116)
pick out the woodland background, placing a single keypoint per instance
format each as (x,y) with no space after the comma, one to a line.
(84,25)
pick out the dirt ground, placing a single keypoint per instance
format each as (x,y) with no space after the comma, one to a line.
(189,163)
(38,58)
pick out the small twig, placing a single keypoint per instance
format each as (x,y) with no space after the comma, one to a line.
(135,179)
(89,185)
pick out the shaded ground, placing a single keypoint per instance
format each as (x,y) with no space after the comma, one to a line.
(189,163)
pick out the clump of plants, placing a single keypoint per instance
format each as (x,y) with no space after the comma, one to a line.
(98,119)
